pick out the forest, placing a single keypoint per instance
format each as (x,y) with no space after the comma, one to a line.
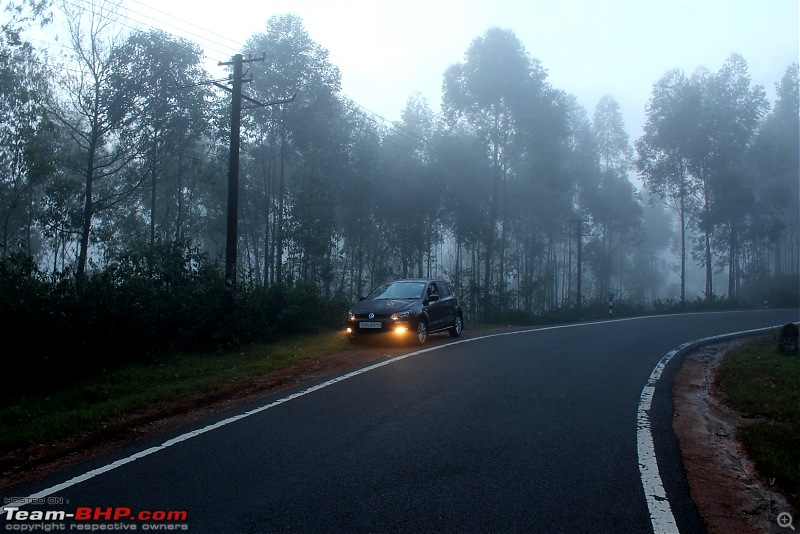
(115,158)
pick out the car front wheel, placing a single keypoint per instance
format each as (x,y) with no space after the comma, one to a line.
(422,331)
(458,326)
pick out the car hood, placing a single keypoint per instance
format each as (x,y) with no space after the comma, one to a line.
(382,306)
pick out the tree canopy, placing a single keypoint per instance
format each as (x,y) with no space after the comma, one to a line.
(527,201)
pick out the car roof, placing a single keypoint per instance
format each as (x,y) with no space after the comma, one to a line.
(414,280)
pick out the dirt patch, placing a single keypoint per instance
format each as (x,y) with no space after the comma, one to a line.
(731,497)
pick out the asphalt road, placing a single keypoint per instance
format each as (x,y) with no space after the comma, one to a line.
(530,431)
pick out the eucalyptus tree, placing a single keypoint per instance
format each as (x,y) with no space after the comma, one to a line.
(664,151)
(774,161)
(362,251)
(701,170)
(485,91)
(311,226)
(166,88)
(459,160)
(58,217)
(582,167)
(614,207)
(398,202)
(540,191)
(617,216)
(96,116)
(293,64)
(697,133)
(734,113)
(27,136)
(411,198)
(612,140)
(316,189)
(644,277)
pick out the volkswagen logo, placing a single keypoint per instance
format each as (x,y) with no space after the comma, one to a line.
(371,315)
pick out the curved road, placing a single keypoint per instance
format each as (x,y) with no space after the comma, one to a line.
(529,431)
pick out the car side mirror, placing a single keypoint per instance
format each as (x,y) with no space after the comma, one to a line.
(433,298)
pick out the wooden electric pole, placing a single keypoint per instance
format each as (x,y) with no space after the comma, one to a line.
(580,264)
(233,163)
(232,235)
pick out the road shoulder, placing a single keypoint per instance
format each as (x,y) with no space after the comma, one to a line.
(731,497)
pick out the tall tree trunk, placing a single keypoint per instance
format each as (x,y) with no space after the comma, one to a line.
(491,229)
(733,270)
(487,268)
(708,257)
(281,195)
(457,275)
(153,172)
(707,230)
(88,207)
(682,215)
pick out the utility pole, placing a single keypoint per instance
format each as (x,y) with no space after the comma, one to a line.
(580,263)
(233,164)
(233,172)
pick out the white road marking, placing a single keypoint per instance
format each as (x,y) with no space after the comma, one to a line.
(661,516)
(652,467)
(657,503)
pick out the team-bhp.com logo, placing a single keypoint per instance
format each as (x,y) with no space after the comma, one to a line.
(116,514)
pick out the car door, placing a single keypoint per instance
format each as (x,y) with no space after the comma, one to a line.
(435,308)
(449,304)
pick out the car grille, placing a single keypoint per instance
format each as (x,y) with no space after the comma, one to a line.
(378,317)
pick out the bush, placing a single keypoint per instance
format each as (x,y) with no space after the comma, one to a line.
(153,300)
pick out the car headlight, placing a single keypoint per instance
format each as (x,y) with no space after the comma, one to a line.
(401,315)
(351,316)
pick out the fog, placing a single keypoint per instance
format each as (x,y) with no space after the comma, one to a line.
(455,141)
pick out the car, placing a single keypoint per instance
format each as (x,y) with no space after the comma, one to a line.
(409,309)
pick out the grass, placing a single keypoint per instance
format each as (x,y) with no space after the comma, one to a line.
(104,400)
(761,382)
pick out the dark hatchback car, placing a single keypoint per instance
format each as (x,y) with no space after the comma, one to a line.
(412,308)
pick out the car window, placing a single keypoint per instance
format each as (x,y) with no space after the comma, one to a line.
(432,289)
(398,290)
(444,289)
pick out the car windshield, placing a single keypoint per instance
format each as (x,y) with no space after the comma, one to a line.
(398,290)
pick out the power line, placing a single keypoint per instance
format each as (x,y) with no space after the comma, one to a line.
(136,25)
(392,131)
(227,48)
(238,45)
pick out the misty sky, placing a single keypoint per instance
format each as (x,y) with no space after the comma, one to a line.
(388,50)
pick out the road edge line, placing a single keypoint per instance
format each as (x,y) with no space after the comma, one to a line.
(188,435)
(658,505)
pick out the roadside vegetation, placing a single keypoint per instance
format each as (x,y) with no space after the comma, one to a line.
(103,400)
(151,302)
(157,299)
(760,381)
(158,324)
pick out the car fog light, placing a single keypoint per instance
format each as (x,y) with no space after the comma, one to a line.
(400,329)
(349,330)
